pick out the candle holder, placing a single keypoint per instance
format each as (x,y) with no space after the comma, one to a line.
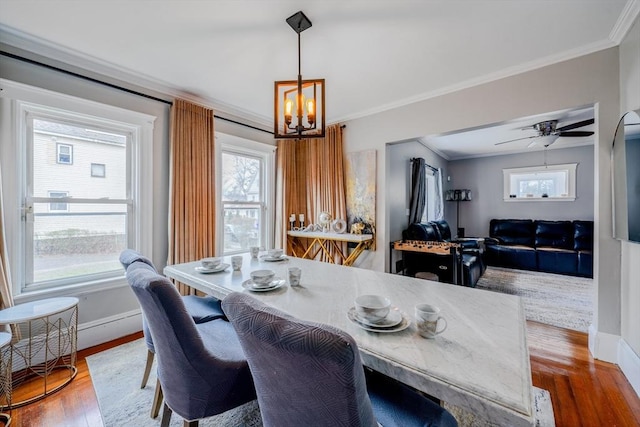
(292,225)
(301,224)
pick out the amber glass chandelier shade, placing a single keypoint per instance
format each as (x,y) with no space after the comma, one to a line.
(299,115)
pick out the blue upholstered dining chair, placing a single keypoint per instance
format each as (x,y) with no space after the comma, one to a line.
(311,374)
(201,309)
(201,367)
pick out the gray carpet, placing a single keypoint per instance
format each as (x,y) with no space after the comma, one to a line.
(554,299)
(116,374)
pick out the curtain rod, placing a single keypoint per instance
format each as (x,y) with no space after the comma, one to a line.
(114,86)
(425,165)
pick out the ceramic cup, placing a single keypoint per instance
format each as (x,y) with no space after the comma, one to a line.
(236,262)
(294,276)
(262,278)
(427,319)
(211,262)
(254,250)
(275,253)
(372,308)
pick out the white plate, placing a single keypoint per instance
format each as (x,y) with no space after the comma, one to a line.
(250,286)
(393,318)
(218,269)
(404,323)
(273,259)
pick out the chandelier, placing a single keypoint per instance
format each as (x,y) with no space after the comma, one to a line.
(299,104)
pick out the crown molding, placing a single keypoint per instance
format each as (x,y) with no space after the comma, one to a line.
(625,21)
(81,63)
(488,78)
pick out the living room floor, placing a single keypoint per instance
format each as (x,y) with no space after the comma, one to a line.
(584,391)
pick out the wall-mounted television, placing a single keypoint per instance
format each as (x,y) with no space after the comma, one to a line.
(625,166)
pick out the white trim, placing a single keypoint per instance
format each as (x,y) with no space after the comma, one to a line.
(603,346)
(109,328)
(487,78)
(629,363)
(625,21)
(570,168)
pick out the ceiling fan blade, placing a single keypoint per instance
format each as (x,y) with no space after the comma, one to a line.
(575,133)
(576,125)
(517,139)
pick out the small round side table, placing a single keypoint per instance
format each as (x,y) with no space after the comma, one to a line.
(42,356)
(5,375)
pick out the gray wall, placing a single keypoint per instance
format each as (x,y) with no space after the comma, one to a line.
(398,167)
(484,177)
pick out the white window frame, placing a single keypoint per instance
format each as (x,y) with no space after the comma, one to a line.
(569,168)
(59,153)
(23,100)
(63,194)
(104,170)
(241,146)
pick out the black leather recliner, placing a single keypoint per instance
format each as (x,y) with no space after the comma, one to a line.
(473,265)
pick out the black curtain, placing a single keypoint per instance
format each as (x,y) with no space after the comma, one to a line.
(418,190)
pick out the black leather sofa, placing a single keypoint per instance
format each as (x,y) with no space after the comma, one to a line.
(561,247)
(473,265)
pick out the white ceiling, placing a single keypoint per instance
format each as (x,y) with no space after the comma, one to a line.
(374,54)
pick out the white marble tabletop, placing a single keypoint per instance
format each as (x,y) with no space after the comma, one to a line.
(345,237)
(481,362)
(36,309)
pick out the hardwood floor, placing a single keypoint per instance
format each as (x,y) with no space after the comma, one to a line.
(584,391)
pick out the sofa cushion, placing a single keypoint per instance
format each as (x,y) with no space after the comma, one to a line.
(557,260)
(554,234)
(583,235)
(514,256)
(512,231)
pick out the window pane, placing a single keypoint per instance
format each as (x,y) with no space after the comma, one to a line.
(98,170)
(241,227)
(240,177)
(58,206)
(87,240)
(51,138)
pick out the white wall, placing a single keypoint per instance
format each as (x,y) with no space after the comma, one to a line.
(629,352)
(484,177)
(588,80)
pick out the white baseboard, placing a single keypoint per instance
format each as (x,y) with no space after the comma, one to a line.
(107,329)
(629,363)
(603,346)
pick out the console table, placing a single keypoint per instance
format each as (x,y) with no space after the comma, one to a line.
(42,356)
(322,242)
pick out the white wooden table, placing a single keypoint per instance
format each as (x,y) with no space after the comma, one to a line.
(480,363)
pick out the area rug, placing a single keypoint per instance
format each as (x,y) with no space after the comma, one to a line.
(116,374)
(554,299)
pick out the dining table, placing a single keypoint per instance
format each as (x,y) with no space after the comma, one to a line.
(480,363)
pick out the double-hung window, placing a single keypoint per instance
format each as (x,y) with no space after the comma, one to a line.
(72,228)
(246,182)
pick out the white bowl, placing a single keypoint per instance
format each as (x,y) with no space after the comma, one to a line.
(372,308)
(275,253)
(210,263)
(262,277)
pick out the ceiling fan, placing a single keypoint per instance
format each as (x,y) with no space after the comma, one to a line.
(550,128)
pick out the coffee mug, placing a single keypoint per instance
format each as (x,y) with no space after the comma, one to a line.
(294,276)
(236,262)
(254,250)
(427,318)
